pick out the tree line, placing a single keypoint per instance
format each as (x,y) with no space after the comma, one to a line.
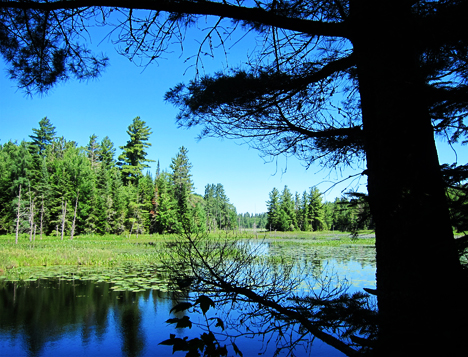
(51,186)
(252,220)
(307,212)
(351,212)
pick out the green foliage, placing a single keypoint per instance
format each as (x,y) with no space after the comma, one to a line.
(252,221)
(165,215)
(107,152)
(458,204)
(455,178)
(181,178)
(69,190)
(220,213)
(273,210)
(79,190)
(43,136)
(133,158)
(287,213)
(307,212)
(93,150)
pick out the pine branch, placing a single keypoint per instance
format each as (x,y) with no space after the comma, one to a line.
(238,13)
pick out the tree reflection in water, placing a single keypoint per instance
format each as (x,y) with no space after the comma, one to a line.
(52,317)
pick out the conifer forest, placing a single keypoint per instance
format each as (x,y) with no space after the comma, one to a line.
(50,185)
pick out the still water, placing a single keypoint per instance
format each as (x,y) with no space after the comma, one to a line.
(52,317)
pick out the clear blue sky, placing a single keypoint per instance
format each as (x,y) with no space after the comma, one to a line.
(107,106)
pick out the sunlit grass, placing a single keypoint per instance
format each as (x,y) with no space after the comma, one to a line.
(82,250)
(113,251)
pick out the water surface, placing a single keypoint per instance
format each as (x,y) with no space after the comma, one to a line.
(53,317)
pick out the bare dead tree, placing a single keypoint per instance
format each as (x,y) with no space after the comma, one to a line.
(31,215)
(64,214)
(18,215)
(74,216)
(42,215)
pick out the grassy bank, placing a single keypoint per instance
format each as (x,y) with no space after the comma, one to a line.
(82,250)
(112,251)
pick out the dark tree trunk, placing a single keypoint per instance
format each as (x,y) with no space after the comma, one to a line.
(419,284)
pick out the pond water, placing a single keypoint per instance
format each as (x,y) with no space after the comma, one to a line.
(53,317)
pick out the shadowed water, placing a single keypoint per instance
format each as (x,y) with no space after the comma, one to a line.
(52,317)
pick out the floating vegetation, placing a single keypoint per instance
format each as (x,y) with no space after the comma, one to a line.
(134,265)
(128,277)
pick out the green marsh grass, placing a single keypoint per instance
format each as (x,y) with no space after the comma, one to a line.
(128,263)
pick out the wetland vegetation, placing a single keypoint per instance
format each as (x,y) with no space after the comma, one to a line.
(31,260)
(112,294)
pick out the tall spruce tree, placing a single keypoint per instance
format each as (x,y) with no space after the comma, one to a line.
(43,136)
(133,159)
(166,205)
(180,175)
(220,213)
(316,213)
(273,210)
(93,150)
(288,214)
(107,152)
(182,186)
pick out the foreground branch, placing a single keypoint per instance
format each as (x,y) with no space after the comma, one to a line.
(234,12)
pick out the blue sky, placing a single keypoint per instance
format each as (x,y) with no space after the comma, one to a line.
(107,105)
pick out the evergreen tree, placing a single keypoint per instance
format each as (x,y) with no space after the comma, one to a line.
(166,205)
(210,207)
(359,211)
(328,214)
(297,211)
(146,194)
(94,151)
(117,215)
(134,213)
(43,136)
(305,212)
(103,200)
(43,192)
(288,219)
(247,220)
(260,220)
(243,220)
(316,214)
(273,210)
(17,174)
(343,217)
(107,152)
(458,203)
(181,176)
(133,158)
(190,213)
(220,213)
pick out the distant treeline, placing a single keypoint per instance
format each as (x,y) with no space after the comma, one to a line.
(252,220)
(307,212)
(350,213)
